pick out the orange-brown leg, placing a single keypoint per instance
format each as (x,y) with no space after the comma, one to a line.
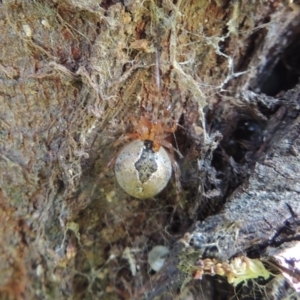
(169,129)
(176,170)
(169,146)
(127,136)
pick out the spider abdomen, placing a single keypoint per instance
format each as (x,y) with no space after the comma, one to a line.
(140,171)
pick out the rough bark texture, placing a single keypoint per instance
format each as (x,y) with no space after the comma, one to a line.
(74,77)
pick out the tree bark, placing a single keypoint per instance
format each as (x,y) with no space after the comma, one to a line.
(76,77)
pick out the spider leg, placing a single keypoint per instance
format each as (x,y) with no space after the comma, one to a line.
(169,129)
(111,163)
(176,174)
(172,149)
(125,137)
(175,166)
(173,128)
(145,121)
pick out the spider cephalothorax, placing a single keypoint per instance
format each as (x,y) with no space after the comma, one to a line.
(156,132)
(143,167)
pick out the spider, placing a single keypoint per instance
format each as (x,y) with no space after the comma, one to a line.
(143,167)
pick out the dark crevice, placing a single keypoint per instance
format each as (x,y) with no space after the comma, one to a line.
(283,78)
(281,73)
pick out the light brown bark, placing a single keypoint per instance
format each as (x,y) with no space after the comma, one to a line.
(72,73)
